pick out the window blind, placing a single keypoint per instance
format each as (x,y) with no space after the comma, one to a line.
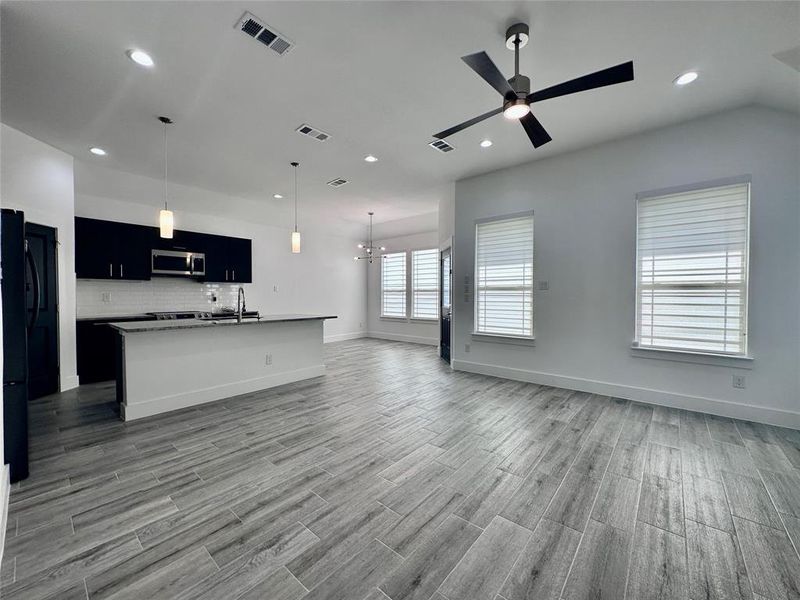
(504,277)
(692,261)
(425,284)
(393,285)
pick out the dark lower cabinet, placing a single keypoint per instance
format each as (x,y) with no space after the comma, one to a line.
(96,348)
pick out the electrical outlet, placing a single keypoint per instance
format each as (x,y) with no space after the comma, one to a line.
(466,347)
(544,285)
(360,325)
(105,297)
(268,360)
(739,381)
(275,288)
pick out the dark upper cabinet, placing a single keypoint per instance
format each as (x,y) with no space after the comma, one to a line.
(134,243)
(240,260)
(228,259)
(93,249)
(112,250)
(216,249)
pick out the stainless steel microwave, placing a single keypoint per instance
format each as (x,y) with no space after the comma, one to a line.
(179,263)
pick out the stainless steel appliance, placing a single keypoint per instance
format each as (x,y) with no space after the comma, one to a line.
(178,262)
(202,315)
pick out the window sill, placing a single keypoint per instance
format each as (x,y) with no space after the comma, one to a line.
(396,319)
(702,358)
(424,320)
(491,338)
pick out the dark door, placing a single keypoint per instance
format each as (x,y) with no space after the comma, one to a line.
(94,249)
(240,260)
(41,286)
(446,300)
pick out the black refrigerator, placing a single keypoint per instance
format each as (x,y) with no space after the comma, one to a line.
(14,260)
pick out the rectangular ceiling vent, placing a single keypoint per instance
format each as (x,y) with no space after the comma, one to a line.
(441,146)
(255,28)
(313,132)
(339,182)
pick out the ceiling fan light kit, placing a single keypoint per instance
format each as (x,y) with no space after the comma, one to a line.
(516,92)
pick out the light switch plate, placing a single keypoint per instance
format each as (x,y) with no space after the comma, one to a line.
(739,381)
(544,285)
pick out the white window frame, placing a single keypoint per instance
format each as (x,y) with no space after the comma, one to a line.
(697,355)
(478,334)
(412,287)
(406,283)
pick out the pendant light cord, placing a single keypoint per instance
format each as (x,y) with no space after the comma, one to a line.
(165,166)
(295,196)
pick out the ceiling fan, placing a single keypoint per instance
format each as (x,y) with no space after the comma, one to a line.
(516,92)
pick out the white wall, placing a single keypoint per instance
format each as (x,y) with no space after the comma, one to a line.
(38,179)
(323,278)
(585,226)
(404,330)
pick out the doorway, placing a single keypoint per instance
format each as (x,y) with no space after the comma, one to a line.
(445,302)
(41,291)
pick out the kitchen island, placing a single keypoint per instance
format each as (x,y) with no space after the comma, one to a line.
(169,365)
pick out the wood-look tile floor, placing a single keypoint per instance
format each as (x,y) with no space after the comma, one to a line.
(393,477)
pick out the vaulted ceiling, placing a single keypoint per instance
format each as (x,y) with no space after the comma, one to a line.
(380,77)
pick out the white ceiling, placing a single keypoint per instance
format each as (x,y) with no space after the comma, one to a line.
(381,77)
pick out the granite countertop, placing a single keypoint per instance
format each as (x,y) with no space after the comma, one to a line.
(142,326)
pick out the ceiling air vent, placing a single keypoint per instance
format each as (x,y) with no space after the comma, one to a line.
(441,146)
(255,28)
(337,182)
(313,132)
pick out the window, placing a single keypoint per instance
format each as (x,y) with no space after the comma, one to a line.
(393,285)
(504,277)
(425,284)
(692,256)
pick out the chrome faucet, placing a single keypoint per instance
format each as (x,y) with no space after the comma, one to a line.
(240,304)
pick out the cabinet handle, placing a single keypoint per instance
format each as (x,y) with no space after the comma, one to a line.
(121,273)
(234,275)
(110,270)
(226,274)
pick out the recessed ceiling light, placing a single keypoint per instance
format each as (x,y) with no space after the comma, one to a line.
(686,78)
(370,158)
(97,151)
(140,57)
(277,196)
(486,143)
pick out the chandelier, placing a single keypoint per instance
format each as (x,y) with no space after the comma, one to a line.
(369,248)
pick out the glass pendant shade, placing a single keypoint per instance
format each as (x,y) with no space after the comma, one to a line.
(295,242)
(166,223)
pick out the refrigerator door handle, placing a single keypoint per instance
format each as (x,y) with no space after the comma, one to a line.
(36,287)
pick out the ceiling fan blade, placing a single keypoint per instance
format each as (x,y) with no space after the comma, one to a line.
(535,131)
(448,132)
(612,75)
(483,66)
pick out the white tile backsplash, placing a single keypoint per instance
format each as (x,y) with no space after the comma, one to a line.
(98,298)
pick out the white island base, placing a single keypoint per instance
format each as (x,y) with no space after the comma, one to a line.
(165,366)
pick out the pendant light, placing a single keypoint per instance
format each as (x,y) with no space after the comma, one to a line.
(166,220)
(295,233)
(369,247)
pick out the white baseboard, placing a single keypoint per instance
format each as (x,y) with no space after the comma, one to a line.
(340,337)
(69,382)
(5,494)
(164,404)
(723,408)
(398,337)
